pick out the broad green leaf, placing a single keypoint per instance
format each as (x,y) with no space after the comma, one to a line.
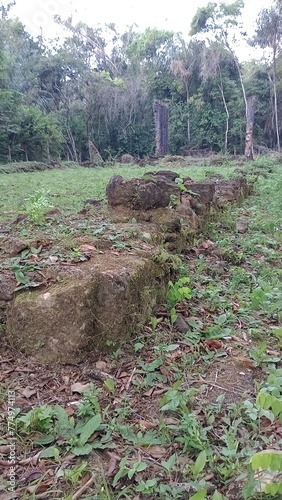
(138,346)
(267,459)
(198,325)
(220,320)
(20,277)
(173,315)
(61,415)
(81,450)
(200,463)
(217,496)
(123,470)
(44,440)
(25,252)
(171,347)
(89,428)
(200,495)
(52,452)
(276,461)
(273,489)
(110,384)
(137,467)
(267,401)
(170,463)
(64,425)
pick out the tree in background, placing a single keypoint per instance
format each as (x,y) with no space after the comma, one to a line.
(98,86)
(269,34)
(220,20)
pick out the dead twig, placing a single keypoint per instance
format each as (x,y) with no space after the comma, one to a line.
(232,389)
(130,379)
(83,488)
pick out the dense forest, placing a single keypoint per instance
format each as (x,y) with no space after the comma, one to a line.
(98,86)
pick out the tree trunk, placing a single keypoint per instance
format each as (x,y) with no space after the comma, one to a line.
(227,116)
(72,145)
(161,125)
(188,110)
(250,115)
(48,150)
(9,153)
(275,99)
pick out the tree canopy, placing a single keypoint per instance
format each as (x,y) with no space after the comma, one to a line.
(99,85)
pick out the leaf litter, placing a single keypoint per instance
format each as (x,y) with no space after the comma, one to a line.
(206,379)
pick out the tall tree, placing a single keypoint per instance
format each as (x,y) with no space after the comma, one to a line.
(220,20)
(184,67)
(269,34)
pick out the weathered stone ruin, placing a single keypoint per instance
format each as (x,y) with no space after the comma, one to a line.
(93,305)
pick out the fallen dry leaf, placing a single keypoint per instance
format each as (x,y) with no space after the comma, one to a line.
(5,449)
(27,392)
(158,392)
(41,488)
(79,388)
(52,259)
(164,371)
(70,411)
(149,392)
(33,476)
(85,479)
(213,344)
(245,361)
(102,365)
(35,257)
(271,352)
(207,244)
(147,425)
(156,451)
(236,307)
(66,379)
(171,421)
(87,249)
(177,354)
(112,465)
(241,226)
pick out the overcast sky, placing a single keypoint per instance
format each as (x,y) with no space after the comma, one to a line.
(175,15)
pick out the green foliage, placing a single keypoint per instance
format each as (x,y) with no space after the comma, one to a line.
(200,463)
(268,401)
(129,471)
(268,460)
(38,419)
(178,291)
(99,84)
(75,436)
(36,205)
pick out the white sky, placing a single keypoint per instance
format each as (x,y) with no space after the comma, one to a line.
(175,15)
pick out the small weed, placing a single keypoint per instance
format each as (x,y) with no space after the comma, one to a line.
(36,205)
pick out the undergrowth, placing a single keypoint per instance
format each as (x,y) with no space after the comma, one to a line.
(191,408)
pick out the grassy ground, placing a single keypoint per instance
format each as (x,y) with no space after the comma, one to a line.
(67,189)
(177,415)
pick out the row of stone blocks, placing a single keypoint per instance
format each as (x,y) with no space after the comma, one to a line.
(107,298)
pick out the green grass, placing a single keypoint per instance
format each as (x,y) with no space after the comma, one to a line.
(196,442)
(69,188)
